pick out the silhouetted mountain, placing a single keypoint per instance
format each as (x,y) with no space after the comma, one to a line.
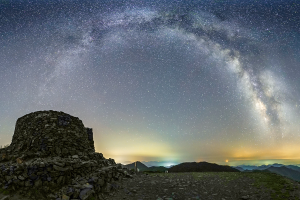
(160,168)
(253,167)
(287,172)
(143,167)
(290,171)
(277,165)
(140,165)
(238,168)
(201,167)
(263,167)
(247,167)
(293,167)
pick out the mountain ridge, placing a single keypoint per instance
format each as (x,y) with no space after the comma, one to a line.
(184,167)
(289,171)
(201,167)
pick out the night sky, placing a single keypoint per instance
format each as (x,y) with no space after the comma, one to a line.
(161,81)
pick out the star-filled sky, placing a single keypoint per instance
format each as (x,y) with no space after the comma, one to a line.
(162,81)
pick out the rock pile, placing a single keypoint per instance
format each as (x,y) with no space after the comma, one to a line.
(53,153)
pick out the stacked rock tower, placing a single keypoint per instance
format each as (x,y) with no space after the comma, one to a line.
(50,133)
(54,153)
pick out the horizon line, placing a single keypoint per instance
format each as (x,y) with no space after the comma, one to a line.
(206,162)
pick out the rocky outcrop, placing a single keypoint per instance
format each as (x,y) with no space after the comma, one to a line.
(53,153)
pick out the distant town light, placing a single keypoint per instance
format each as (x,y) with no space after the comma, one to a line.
(169,164)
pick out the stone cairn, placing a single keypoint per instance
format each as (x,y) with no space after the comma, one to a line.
(53,153)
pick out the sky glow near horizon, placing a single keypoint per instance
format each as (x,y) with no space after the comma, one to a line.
(161,81)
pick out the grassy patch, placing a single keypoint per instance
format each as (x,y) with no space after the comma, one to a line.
(278,186)
(5,192)
(92,197)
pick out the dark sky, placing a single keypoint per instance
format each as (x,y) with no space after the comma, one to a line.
(162,81)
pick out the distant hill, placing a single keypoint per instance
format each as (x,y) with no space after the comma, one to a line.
(238,168)
(284,171)
(289,171)
(247,167)
(160,168)
(143,167)
(184,167)
(201,167)
(296,168)
(263,167)
(277,165)
(140,165)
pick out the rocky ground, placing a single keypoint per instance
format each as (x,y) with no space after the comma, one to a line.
(208,186)
(13,196)
(201,185)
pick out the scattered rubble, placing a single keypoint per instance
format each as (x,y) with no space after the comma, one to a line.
(52,156)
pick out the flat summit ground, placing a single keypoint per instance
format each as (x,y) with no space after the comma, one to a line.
(208,186)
